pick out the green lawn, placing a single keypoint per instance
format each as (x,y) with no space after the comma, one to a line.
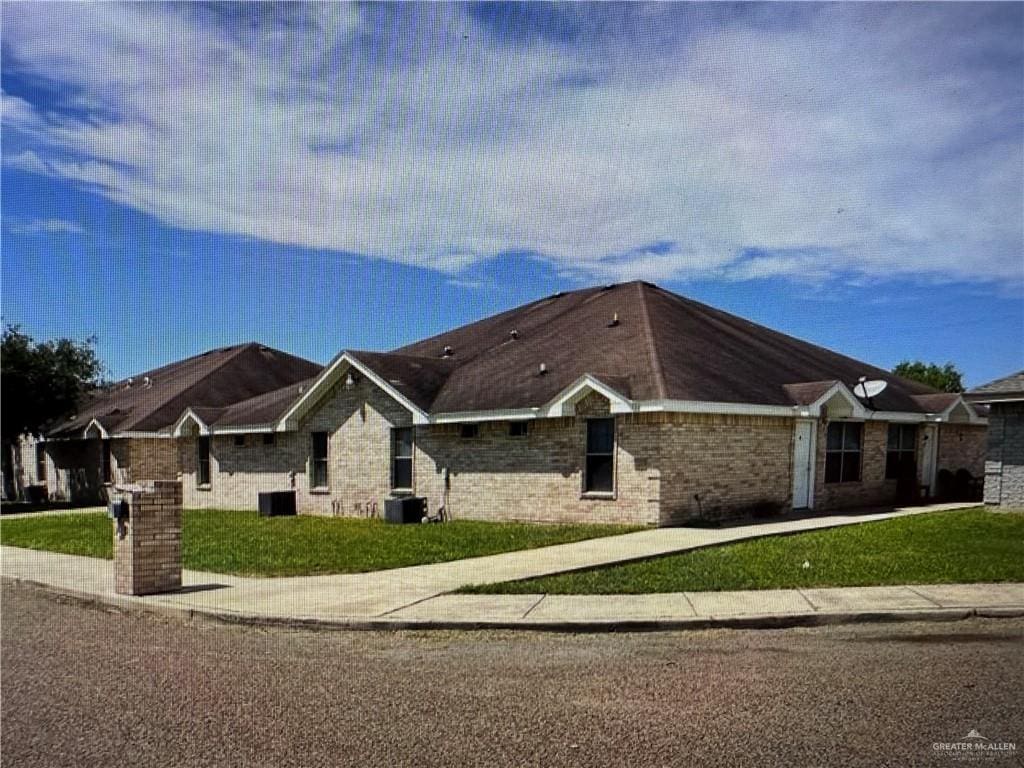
(939,548)
(246,544)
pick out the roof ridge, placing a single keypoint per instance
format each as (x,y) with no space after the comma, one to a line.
(659,375)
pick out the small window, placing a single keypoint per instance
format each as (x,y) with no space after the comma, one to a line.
(901,452)
(401,458)
(268,438)
(469,430)
(239,441)
(599,474)
(318,460)
(842,452)
(518,428)
(107,461)
(203,460)
(40,463)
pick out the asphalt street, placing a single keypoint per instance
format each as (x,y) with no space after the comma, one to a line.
(89,686)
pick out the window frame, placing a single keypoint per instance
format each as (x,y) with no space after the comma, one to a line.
(844,453)
(268,438)
(895,457)
(469,431)
(317,463)
(239,441)
(589,490)
(204,477)
(396,433)
(523,428)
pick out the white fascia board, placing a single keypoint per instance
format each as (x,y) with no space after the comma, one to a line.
(326,380)
(556,407)
(972,417)
(94,423)
(510,414)
(243,429)
(1007,399)
(701,406)
(156,435)
(189,415)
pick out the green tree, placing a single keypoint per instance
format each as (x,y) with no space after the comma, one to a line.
(41,382)
(946,378)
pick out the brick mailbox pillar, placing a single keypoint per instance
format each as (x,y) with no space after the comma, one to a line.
(147,543)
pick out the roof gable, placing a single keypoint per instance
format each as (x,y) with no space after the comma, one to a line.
(154,400)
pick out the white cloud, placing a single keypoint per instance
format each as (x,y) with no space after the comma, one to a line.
(869,140)
(49,226)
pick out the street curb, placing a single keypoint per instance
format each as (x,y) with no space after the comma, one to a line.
(131,605)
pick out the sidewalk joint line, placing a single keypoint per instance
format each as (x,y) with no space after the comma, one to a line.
(936,603)
(542,597)
(807,600)
(689,602)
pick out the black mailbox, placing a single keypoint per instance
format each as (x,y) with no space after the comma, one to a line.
(118,510)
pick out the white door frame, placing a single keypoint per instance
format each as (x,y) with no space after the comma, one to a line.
(929,456)
(807,470)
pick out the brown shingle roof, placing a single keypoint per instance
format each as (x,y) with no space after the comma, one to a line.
(212,380)
(663,345)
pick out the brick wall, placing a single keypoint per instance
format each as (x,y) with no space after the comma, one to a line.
(358,422)
(872,488)
(962,446)
(153,458)
(538,477)
(1004,464)
(238,473)
(735,464)
(76,470)
(147,558)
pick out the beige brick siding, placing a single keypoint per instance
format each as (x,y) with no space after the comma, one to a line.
(735,464)
(239,473)
(358,422)
(872,488)
(75,470)
(669,468)
(153,459)
(147,559)
(538,477)
(962,446)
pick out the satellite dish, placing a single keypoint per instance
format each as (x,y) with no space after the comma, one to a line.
(865,389)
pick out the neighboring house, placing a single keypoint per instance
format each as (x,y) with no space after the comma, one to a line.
(625,403)
(1004,465)
(123,433)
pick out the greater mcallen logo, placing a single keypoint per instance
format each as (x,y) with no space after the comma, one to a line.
(974,746)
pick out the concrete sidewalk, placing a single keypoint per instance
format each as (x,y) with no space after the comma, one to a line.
(416,596)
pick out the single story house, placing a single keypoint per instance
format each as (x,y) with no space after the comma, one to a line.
(621,403)
(1004,463)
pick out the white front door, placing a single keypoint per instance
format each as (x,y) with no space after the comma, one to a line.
(929,454)
(803,464)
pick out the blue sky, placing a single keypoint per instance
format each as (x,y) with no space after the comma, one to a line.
(321,177)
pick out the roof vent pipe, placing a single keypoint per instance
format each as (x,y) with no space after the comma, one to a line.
(514,334)
(615,320)
(447,351)
(543,369)
(147,382)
